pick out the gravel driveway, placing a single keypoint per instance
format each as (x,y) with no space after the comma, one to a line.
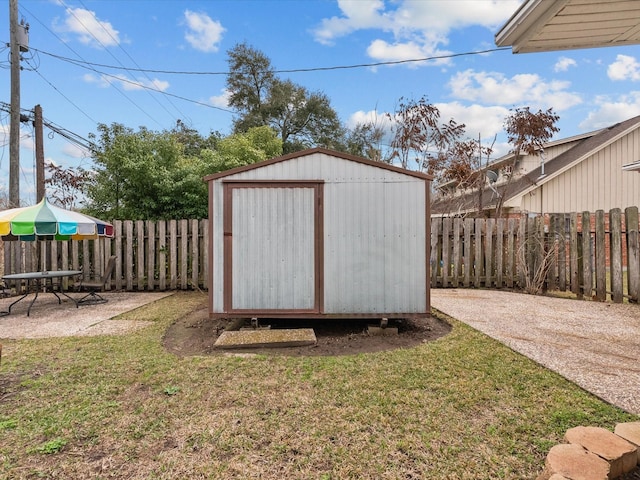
(49,319)
(595,345)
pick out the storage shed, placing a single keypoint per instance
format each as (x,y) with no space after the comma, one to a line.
(318,233)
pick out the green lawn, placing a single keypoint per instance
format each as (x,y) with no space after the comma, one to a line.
(462,407)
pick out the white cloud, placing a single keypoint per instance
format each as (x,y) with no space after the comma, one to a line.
(126,83)
(484,120)
(222,100)
(385,52)
(409,24)
(624,68)
(563,64)
(520,90)
(203,33)
(612,111)
(74,151)
(90,29)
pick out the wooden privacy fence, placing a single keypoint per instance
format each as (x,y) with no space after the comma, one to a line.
(590,254)
(150,255)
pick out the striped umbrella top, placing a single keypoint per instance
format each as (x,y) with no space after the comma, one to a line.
(45,221)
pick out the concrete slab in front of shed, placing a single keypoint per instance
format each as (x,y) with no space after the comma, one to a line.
(260,338)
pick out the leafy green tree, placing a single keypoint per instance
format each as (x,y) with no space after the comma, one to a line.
(301,118)
(249,82)
(364,140)
(240,149)
(147,175)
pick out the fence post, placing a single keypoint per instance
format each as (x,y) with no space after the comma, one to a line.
(633,253)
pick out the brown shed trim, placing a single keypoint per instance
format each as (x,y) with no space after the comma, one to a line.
(312,151)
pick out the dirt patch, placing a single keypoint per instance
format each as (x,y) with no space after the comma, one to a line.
(196,334)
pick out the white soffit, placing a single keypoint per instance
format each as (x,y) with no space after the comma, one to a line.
(547,25)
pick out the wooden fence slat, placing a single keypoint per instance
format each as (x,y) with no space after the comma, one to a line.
(117,225)
(436,246)
(139,254)
(173,254)
(521,250)
(615,254)
(184,254)
(128,256)
(587,269)
(204,248)
(162,255)
(468,250)
(151,254)
(488,252)
(500,224)
(446,249)
(479,259)
(195,254)
(601,258)
(574,257)
(633,253)
(511,252)
(551,245)
(457,252)
(562,253)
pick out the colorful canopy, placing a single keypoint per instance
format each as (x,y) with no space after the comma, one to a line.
(48,222)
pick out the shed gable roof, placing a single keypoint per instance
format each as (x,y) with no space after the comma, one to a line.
(312,151)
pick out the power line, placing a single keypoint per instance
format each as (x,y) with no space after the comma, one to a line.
(80,56)
(127,54)
(291,70)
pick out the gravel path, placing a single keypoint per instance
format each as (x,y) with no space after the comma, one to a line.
(596,345)
(49,319)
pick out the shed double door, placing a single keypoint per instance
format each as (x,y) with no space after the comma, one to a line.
(273,247)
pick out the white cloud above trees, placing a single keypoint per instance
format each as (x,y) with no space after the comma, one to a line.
(409,28)
(203,33)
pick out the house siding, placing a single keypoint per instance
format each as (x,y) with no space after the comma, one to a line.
(597,183)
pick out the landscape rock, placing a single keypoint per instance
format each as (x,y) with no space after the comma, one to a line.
(621,455)
(574,463)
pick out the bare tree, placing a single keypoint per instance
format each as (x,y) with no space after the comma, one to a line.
(420,135)
(526,132)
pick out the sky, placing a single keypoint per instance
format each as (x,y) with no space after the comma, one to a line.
(150,63)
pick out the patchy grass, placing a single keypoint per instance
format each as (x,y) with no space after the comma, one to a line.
(461,407)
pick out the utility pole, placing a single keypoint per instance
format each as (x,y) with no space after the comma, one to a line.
(37,126)
(14,133)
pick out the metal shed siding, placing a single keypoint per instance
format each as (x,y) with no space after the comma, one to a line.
(374,223)
(374,247)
